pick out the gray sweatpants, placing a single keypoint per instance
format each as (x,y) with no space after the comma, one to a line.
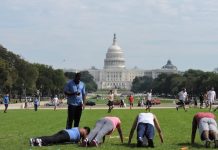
(102,127)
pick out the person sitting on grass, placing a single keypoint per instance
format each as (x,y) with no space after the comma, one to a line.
(207,126)
(68,135)
(145,122)
(103,127)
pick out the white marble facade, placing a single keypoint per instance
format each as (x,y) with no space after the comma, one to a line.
(115,75)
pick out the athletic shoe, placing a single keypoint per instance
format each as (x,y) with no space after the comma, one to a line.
(94,143)
(84,143)
(150,143)
(32,142)
(207,144)
(139,142)
(39,142)
(216,143)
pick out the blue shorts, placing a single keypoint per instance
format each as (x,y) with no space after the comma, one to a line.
(145,129)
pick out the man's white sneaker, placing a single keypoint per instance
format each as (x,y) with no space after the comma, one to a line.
(32,140)
(39,142)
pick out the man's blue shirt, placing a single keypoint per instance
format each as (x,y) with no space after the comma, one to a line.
(6,99)
(72,87)
(36,101)
(74,134)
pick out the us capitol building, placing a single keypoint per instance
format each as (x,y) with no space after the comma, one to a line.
(115,75)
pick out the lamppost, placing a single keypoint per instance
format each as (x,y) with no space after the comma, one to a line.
(24,91)
(40,93)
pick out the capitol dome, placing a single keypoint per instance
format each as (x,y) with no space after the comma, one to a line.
(114,57)
(169,65)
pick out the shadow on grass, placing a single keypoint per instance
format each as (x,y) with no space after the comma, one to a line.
(128,145)
(195,145)
(125,145)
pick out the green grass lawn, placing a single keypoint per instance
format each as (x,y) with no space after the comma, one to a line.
(17,126)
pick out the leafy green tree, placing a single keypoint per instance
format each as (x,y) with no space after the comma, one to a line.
(141,84)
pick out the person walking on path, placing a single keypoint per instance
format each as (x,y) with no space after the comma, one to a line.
(211,96)
(6,100)
(110,101)
(145,123)
(201,98)
(131,101)
(36,103)
(76,97)
(55,100)
(148,101)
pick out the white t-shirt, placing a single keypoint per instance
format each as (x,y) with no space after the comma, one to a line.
(182,95)
(146,118)
(55,100)
(211,95)
(111,97)
(149,96)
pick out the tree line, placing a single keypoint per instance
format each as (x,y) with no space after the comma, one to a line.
(195,81)
(19,77)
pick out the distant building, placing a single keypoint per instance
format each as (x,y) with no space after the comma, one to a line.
(216,70)
(115,75)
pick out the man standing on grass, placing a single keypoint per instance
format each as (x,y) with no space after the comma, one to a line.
(211,96)
(145,122)
(207,126)
(36,102)
(110,101)
(55,100)
(6,102)
(148,102)
(183,96)
(76,96)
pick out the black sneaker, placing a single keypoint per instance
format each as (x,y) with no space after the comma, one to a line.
(215,143)
(139,142)
(150,143)
(207,144)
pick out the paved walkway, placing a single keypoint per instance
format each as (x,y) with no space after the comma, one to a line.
(98,106)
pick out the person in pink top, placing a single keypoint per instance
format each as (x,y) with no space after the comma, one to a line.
(207,126)
(104,126)
(131,101)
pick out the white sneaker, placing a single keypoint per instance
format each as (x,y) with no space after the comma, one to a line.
(32,140)
(39,142)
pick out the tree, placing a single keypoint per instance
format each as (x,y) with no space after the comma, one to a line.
(141,84)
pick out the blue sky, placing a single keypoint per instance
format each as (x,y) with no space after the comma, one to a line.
(77,33)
